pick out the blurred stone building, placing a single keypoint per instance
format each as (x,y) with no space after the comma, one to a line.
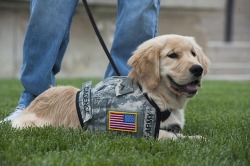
(203,19)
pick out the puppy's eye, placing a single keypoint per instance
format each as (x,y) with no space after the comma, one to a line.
(173,55)
(193,53)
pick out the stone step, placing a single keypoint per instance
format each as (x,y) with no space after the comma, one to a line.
(229,52)
(229,61)
(232,68)
(230,77)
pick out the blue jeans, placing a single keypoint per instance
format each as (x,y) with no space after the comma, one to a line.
(48,32)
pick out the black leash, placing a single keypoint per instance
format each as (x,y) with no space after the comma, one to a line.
(100,37)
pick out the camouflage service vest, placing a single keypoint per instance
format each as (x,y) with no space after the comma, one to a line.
(117,105)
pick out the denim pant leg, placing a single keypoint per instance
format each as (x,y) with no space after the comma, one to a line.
(45,42)
(137,21)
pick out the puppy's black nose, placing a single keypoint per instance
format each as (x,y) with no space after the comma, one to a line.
(196,70)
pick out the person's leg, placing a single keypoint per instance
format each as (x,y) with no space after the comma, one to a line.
(45,42)
(137,21)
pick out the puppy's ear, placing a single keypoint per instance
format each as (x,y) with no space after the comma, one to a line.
(204,61)
(202,58)
(145,64)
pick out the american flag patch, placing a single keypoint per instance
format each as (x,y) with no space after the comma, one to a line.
(122,121)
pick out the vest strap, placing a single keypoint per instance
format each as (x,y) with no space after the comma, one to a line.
(78,109)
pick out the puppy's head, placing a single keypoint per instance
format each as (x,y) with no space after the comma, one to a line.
(176,62)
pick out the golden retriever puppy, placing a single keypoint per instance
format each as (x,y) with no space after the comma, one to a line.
(167,69)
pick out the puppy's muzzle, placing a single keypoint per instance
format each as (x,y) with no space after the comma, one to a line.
(196,70)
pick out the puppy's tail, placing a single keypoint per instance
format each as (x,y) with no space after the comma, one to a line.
(56,107)
(28,119)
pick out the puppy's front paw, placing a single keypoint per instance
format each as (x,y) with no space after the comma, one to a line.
(163,134)
(197,137)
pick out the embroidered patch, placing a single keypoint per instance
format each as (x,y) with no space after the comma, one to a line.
(122,121)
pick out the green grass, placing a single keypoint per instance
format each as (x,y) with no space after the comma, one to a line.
(220,112)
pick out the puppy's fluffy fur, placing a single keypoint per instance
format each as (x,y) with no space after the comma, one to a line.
(169,69)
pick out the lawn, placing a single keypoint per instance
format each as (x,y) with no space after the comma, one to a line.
(220,113)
